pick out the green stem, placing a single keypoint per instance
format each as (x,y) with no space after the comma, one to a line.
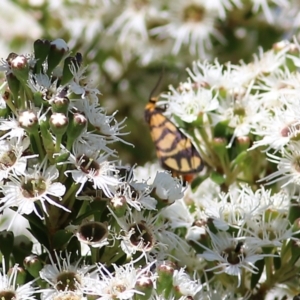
(269,269)
(66,199)
(94,255)
(39,145)
(58,143)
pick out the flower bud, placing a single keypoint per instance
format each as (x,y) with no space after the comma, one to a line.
(4,105)
(58,49)
(144,285)
(76,126)
(58,123)
(11,56)
(165,273)
(33,265)
(6,242)
(62,157)
(21,275)
(20,68)
(41,51)
(119,205)
(219,145)
(242,143)
(29,121)
(60,104)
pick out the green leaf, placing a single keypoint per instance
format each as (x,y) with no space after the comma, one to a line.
(61,238)
(217,177)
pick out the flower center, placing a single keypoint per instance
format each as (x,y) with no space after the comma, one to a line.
(234,255)
(88,164)
(93,232)
(7,295)
(139,4)
(296,164)
(7,159)
(67,281)
(193,13)
(33,187)
(142,236)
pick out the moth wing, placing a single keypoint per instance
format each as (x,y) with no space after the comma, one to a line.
(174,149)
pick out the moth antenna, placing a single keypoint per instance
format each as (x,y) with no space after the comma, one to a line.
(157,85)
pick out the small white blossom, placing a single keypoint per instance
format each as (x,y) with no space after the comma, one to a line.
(231,255)
(9,289)
(12,160)
(38,185)
(66,279)
(93,167)
(121,284)
(167,188)
(288,166)
(189,103)
(191,23)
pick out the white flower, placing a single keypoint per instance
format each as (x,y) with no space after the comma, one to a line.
(213,75)
(178,214)
(271,231)
(38,185)
(231,255)
(9,289)
(94,234)
(106,126)
(66,279)
(121,283)
(42,83)
(241,112)
(147,172)
(79,86)
(278,88)
(265,6)
(184,285)
(266,62)
(277,129)
(149,234)
(93,167)
(12,161)
(94,142)
(190,102)
(288,166)
(13,129)
(191,23)
(140,232)
(132,21)
(136,194)
(167,188)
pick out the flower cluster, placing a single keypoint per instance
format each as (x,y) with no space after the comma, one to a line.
(244,119)
(59,171)
(161,28)
(101,230)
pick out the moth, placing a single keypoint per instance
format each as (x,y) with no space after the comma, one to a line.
(174,149)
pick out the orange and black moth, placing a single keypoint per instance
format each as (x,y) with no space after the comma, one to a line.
(174,149)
